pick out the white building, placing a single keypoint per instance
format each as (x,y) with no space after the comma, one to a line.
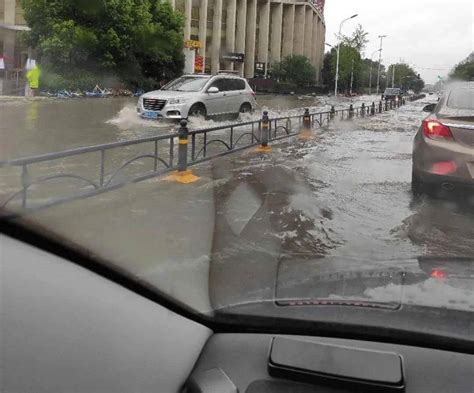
(264,31)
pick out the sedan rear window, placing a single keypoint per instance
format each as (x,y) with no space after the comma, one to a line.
(461,99)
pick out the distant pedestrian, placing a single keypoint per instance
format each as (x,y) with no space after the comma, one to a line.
(33,77)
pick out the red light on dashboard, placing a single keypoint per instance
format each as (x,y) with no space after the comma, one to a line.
(435,273)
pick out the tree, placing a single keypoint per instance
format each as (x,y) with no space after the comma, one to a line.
(405,77)
(296,69)
(358,40)
(367,64)
(464,70)
(349,61)
(133,39)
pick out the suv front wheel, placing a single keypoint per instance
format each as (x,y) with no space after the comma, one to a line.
(197,110)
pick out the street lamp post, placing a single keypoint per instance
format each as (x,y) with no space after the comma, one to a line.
(380,62)
(352,77)
(338,50)
(370,73)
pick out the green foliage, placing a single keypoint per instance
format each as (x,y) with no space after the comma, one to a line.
(358,40)
(73,79)
(464,70)
(295,69)
(350,60)
(365,74)
(405,77)
(138,40)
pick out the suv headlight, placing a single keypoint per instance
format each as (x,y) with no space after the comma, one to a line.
(177,101)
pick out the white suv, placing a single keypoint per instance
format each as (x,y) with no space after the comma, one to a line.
(198,95)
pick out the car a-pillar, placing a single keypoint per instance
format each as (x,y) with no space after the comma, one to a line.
(183,174)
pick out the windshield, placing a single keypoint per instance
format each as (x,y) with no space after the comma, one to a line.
(306,187)
(186,84)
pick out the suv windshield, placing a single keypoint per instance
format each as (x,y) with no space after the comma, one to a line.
(187,83)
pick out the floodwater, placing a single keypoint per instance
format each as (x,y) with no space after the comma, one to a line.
(251,217)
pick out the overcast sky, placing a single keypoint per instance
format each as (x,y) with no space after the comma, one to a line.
(424,33)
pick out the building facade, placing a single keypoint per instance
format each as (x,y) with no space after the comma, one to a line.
(13,52)
(247,36)
(261,32)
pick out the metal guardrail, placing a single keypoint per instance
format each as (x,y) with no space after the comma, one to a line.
(193,147)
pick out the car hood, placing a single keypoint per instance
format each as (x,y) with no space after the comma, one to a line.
(426,282)
(165,94)
(441,283)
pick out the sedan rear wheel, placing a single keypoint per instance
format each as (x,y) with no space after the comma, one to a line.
(245,108)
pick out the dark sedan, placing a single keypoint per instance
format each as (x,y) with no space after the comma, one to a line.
(443,151)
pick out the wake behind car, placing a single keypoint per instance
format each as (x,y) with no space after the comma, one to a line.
(443,151)
(198,95)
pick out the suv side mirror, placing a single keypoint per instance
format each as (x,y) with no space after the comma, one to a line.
(429,108)
(213,89)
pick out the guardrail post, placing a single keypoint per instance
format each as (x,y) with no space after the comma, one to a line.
(183,174)
(183,133)
(351,111)
(362,110)
(372,109)
(380,107)
(264,133)
(333,112)
(305,131)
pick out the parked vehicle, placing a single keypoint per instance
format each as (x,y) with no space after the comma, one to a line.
(443,151)
(198,95)
(392,93)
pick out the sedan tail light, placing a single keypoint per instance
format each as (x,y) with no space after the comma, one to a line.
(433,129)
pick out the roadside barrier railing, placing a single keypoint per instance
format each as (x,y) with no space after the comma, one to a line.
(174,152)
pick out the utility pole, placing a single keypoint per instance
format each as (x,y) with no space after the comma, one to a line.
(352,77)
(393,75)
(338,50)
(370,74)
(380,62)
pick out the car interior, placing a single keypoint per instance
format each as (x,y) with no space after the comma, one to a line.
(76,325)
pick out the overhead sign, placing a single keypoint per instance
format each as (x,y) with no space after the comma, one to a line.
(234,57)
(193,44)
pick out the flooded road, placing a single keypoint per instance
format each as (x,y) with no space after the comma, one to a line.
(43,125)
(341,198)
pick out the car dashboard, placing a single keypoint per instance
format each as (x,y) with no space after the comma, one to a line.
(67,328)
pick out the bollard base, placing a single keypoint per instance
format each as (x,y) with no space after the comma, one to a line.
(306,135)
(184,177)
(263,149)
